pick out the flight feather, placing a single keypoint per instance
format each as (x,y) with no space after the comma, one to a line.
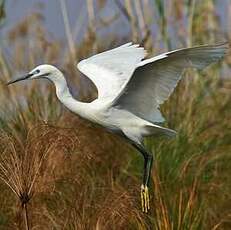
(155,79)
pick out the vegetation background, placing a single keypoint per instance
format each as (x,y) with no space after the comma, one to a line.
(61,172)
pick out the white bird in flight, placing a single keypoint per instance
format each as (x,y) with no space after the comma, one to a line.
(130,91)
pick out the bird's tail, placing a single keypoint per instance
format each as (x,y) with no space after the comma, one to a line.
(158,130)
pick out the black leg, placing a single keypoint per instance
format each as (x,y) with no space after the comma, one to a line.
(147,169)
(148,159)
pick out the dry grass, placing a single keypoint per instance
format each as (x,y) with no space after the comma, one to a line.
(61,172)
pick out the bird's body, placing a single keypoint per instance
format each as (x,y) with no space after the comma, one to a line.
(108,115)
(130,91)
(111,117)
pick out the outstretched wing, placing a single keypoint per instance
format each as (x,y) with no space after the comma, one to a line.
(155,78)
(111,70)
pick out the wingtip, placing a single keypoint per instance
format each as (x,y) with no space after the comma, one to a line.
(225,45)
(132,45)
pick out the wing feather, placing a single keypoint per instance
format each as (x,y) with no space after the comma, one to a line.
(111,70)
(155,78)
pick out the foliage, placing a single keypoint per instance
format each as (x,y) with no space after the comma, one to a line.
(74,174)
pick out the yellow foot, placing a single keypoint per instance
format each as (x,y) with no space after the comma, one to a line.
(145,198)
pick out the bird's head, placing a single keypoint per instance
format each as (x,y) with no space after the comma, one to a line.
(42,71)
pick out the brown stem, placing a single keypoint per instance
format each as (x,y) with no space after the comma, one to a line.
(26,220)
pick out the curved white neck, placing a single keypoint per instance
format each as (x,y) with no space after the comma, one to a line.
(64,95)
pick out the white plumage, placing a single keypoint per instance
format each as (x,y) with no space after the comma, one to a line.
(111,70)
(130,91)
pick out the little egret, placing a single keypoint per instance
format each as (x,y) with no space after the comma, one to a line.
(130,90)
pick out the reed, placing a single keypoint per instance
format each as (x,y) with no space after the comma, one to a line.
(60,172)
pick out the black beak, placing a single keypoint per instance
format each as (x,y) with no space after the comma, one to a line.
(20,79)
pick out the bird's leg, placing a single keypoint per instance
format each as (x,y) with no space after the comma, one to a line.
(146,177)
(148,159)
